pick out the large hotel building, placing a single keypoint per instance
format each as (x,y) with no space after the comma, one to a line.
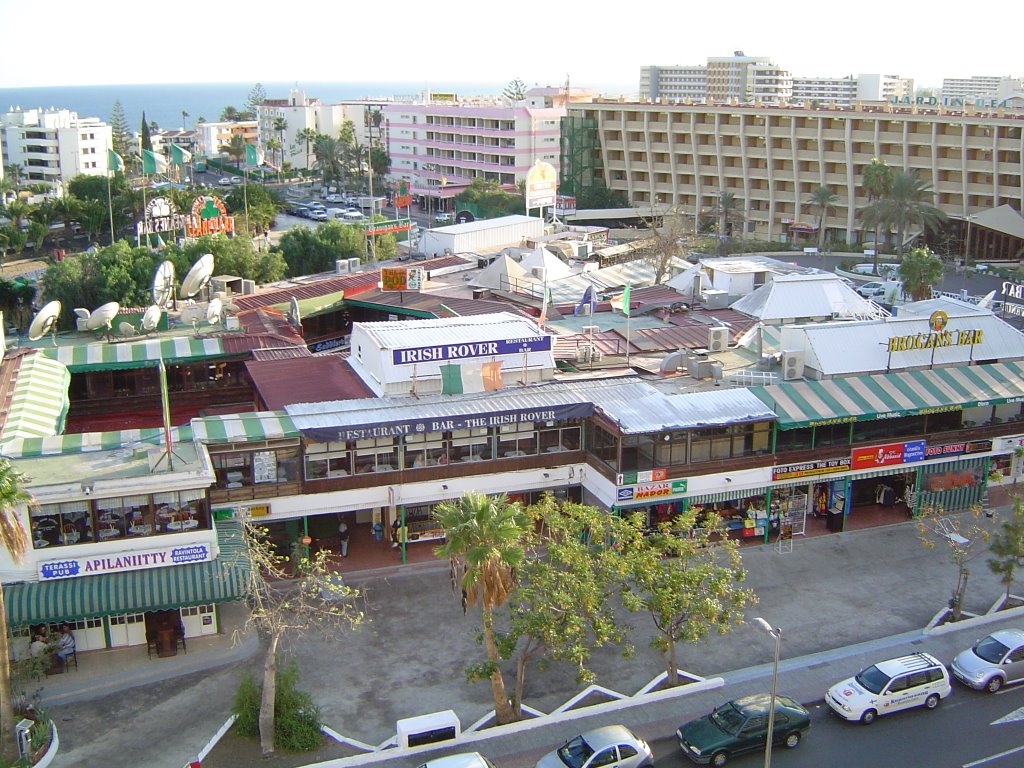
(773,157)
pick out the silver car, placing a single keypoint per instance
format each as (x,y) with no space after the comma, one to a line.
(993,661)
(613,746)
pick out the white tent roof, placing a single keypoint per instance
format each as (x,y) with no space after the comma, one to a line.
(502,274)
(793,296)
(542,257)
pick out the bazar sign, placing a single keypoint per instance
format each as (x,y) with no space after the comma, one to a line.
(887,455)
(413,355)
(72,567)
(632,478)
(1013,294)
(957,449)
(645,491)
(810,468)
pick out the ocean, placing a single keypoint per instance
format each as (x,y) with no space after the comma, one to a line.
(164,103)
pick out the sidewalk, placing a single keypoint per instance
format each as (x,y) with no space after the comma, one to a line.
(841,600)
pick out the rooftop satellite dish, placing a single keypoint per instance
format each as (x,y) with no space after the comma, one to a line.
(163,284)
(986,302)
(214,311)
(81,313)
(126,329)
(294,316)
(101,317)
(151,319)
(198,276)
(45,321)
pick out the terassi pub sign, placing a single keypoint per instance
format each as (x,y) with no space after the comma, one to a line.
(73,567)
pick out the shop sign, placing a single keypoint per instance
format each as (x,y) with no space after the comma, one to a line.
(401,279)
(887,455)
(413,355)
(1013,298)
(950,101)
(209,216)
(541,185)
(72,567)
(937,337)
(810,468)
(632,478)
(160,216)
(957,449)
(383,227)
(645,491)
(323,346)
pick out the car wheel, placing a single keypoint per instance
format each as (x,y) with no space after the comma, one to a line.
(932,701)
(994,684)
(719,759)
(868,717)
(792,740)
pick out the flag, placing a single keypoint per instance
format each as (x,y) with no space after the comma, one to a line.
(153,163)
(451,379)
(544,308)
(621,302)
(492,376)
(253,155)
(115,162)
(587,300)
(469,377)
(180,155)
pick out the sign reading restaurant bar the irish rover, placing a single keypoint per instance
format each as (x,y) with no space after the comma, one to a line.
(73,567)
(413,355)
(937,337)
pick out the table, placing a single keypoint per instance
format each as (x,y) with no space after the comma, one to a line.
(180,525)
(554,449)
(472,457)
(383,468)
(513,454)
(109,533)
(140,529)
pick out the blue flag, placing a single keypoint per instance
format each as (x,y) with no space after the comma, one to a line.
(588,299)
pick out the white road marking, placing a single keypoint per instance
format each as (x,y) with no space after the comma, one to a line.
(992,757)
(1012,717)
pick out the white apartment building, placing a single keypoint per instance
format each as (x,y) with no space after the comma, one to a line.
(724,78)
(440,146)
(982,87)
(773,158)
(846,91)
(210,138)
(300,112)
(54,145)
(674,83)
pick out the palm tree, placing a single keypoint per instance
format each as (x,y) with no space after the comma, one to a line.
(484,541)
(14,539)
(919,271)
(14,172)
(824,200)
(236,148)
(329,156)
(726,207)
(908,202)
(66,209)
(274,146)
(280,125)
(229,115)
(877,180)
(308,135)
(184,120)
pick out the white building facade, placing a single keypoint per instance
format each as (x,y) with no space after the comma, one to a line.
(54,145)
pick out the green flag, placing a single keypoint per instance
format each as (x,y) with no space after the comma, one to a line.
(625,301)
(451,379)
(114,162)
(152,162)
(180,155)
(253,155)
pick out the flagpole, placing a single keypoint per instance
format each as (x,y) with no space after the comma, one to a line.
(626,299)
(110,206)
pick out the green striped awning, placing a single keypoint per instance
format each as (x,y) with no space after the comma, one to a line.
(243,427)
(85,442)
(39,401)
(723,496)
(104,356)
(891,395)
(316,305)
(153,589)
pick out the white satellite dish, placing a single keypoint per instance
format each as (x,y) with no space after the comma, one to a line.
(214,311)
(986,302)
(294,316)
(163,284)
(102,316)
(45,321)
(82,313)
(192,314)
(198,276)
(126,329)
(151,319)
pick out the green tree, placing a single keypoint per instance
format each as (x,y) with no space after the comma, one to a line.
(15,173)
(229,115)
(121,136)
(309,251)
(280,125)
(329,158)
(824,201)
(688,584)
(907,203)
(877,180)
(727,209)
(236,148)
(92,215)
(484,542)
(309,136)
(1007,546)
(599,196)
(14,540)
(964,537)
(184,120)
(669,242)
(256,97)
(263,206)
(920,271)
(515,90)
(489,200)
(67,210)
(95,187)
(275,146)
(145,141)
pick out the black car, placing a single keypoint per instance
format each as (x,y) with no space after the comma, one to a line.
(742,726)
(297,210)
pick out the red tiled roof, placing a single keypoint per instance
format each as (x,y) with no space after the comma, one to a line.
(352,284)
(309,380)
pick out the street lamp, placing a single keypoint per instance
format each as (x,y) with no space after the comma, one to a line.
(775,632)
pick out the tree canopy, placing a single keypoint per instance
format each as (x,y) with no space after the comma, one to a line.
(921,270)
(489,200)
(908,202)
(121,136)
(308,251)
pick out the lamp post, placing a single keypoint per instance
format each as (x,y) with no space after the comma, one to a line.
(775,632)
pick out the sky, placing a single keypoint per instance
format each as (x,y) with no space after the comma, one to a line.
(600,45)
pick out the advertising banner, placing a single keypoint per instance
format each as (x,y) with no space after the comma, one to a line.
(887,455)
(72,567)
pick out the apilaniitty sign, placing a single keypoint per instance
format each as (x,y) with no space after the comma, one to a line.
(73,567)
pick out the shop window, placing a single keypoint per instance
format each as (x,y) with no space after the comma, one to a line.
(832,434)
(792,440)
(602,445)
(57,525)
(325,460)
(377,455)
(233,470)
(554,439)
(517,440)
(425,450)
(670,449)
(637,453)
(468,445)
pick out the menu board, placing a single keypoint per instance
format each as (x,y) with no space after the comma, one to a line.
(264,465)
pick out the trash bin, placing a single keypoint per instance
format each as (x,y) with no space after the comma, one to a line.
(834,521)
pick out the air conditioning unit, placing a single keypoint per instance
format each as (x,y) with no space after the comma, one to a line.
(540,273)
(792,365)
(583,353)
(597,356)
(354,265)
(341,266)
(232,324)
(590,330)
(248,286)
(718,339)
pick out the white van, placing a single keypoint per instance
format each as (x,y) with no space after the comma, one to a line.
(917,680)
(353,216)
(334,213)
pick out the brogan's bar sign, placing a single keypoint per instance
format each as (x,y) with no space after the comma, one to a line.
(937,337)
(73,567)
(413,355)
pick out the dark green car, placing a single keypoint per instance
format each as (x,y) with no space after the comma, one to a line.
(742,726)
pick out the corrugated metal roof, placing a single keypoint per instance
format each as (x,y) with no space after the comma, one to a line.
(429,304)
(485,224)
(316,379)
(404,333)
(352,284)
(638,411)
(280,353)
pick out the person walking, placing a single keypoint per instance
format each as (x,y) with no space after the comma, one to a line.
(343,537)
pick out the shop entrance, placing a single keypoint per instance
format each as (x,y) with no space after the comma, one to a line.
(164,632)
(881,500)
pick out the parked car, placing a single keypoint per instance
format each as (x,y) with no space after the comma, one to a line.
(224,181)
(237,179)
(872,290)
(992,662)
(613,746)
(334,198)
(917,680)
(742,726)
(317,206)
(443,217)
(318,215)
(297,210)
(462,760)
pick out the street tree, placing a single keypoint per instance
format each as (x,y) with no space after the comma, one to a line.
(309,251)
(515,90)
(877,180)
(963,537)
(318,602)
(920,271)
(280,125)
(688,577)
(307,136)
(330,159)
(14,172)
(727,208)
(669,242)
(229,114)
(257,95)
(1007,546)
(489,200)
(824,201)
(145,140)
(908,203)
(14,539)
(236,148)
(485,545)
(120,134)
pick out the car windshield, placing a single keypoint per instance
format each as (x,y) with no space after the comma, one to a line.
(873,679)
(575,753)
(990,650)
(727,718)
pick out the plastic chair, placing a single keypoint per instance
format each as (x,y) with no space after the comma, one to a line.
(71,657)
(179,637)
(151,643)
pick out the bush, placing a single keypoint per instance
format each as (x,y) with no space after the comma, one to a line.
(296,718)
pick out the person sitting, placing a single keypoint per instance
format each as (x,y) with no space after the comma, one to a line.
(38,645)
(66,643)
